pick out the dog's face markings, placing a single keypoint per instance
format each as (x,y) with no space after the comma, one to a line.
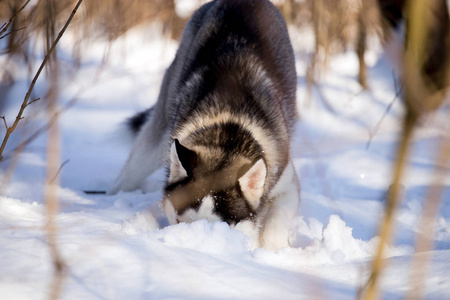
(231,193)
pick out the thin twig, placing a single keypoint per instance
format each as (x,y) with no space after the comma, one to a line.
(386,226)
(377,126)
(59,170)
(12,165)
(31,102)
(3,36)
(395,83)
(83,89)
(39,131)
(36,76)
(325,100)
(4,121)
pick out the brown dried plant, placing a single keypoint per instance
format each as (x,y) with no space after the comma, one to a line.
(426,82)
(107,19)
(53,149)
(339,26)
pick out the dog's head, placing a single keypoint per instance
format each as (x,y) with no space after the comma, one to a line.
(212,184)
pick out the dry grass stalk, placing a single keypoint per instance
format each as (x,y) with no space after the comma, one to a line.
(421,96)
(337,26)
(5,26)
(14,152)
(25,103)
(398,92)
(361,44)
(108,19)
(12,165)
(386,226)
(424,241)
(288,11)
(51,193)
(317,8)
(53,159)
(320,39)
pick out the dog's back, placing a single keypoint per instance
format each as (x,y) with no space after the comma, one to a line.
(228,38)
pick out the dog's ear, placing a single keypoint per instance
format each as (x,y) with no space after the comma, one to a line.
(182,162)
(252,183)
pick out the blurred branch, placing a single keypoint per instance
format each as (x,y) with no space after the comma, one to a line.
(3,36)
(422,95)
(319,40)
(14,154)
(12,165)
(38,132)
(51,189)
(4,121)
(386,226)
(52,207)
(51,196)
(361,44)
(51,192)
(59,171)
(5,26)
(377,126)
(436,68)
(31,102)
(325,100)
(288,11)
(44,128)
(33,82)
(312,70)
(52,119)
(427,225)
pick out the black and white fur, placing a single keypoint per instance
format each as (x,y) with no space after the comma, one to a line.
(223,123)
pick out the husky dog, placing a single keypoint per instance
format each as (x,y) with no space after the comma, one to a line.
(223,123)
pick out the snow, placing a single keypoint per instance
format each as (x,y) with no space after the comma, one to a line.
(121,247)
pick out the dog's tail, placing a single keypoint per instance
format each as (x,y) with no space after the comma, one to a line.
(135,123)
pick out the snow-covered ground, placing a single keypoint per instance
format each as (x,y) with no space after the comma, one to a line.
(120,247)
